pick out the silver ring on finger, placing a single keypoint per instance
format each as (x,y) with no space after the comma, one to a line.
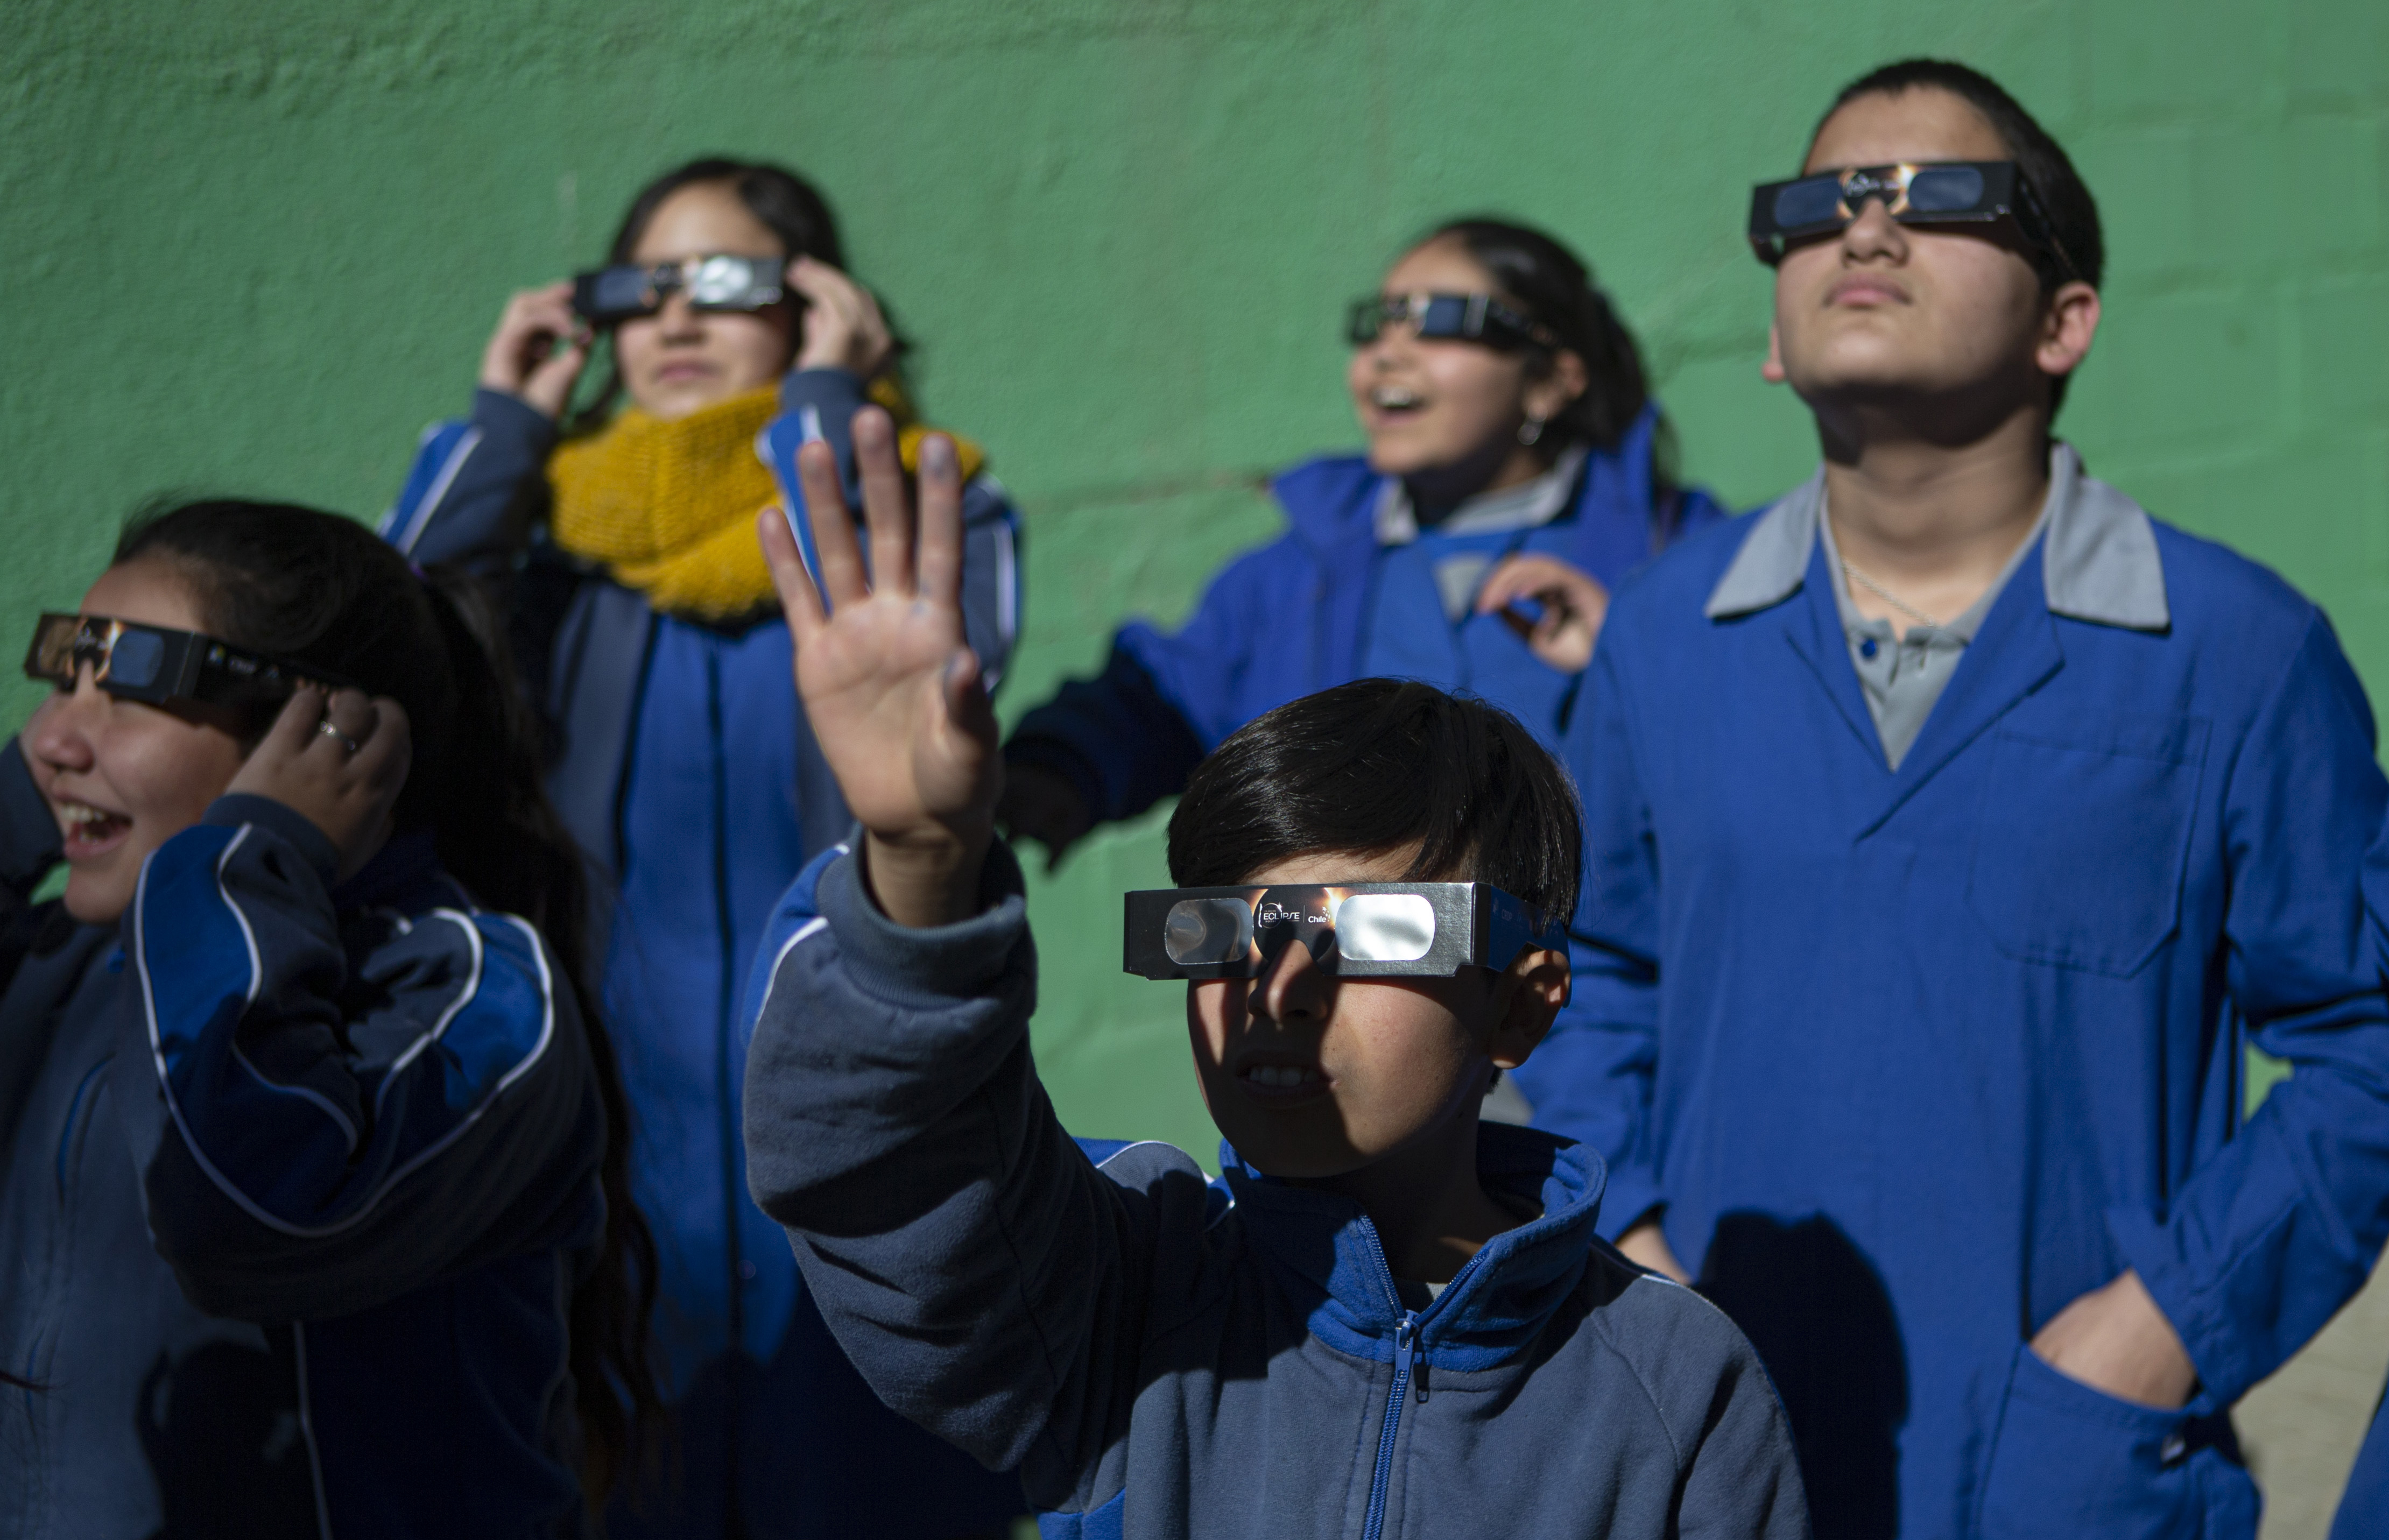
(348,744)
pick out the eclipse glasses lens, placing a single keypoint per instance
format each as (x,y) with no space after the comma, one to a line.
(1956,192)
(611,295)
(1359,929)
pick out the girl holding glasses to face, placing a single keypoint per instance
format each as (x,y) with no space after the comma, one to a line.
(623,534)
(1512,476)
(312,1180)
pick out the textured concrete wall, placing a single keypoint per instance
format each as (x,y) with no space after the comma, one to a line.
(254,249)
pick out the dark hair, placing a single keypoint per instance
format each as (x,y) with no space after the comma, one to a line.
(2072,212)
(783,202)
(1378,766)
(1553,284)
(315,588)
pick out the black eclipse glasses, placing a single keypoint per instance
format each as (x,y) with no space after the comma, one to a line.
(155,666)
(1439,317)
(1357,930)
(612,295)
(1940,191)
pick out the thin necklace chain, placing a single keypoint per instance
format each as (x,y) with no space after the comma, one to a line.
(1889,597)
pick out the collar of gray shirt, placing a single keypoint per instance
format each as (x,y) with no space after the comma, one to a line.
(1524,506)
(2098,556)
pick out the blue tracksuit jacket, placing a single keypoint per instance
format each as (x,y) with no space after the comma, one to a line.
(1911,1060)
(1296,616)
(297,1185)
(1162,1355)
(686,771)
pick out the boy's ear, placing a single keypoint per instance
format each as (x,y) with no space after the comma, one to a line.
(1532,990)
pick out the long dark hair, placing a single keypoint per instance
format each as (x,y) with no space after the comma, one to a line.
(316,588)
(1553,284)
(783,202)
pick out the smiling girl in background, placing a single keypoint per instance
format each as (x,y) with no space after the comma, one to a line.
(314,1200)
(646,620)
(1510,479)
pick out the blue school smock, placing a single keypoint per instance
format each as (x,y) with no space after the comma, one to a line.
(2364,1507)
(1330,602)
(1909,1060)
(686,771)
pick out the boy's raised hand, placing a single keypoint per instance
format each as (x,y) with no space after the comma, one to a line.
(891,688)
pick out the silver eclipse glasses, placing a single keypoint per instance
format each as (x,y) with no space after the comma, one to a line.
(1357,930)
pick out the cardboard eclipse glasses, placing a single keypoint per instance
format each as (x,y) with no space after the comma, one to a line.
(612,295)
(155,665)
(1357,930)
(1941,192)
(1439,317)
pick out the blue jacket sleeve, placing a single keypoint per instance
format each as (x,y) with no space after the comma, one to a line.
(318,1135)
(985,1278)
(2267,1239)
(1131,736)
(475,487)
(1592,1077)
(29,845)
(820,404)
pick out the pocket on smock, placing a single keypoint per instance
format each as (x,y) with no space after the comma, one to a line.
(2080,845)
(2068,1459)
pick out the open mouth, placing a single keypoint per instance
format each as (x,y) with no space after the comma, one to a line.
(1282,1084)
(91,831)
(1396,401)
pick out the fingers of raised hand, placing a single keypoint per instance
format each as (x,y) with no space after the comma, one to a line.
(886,506)
(799,600)
(842,577)
(940,559)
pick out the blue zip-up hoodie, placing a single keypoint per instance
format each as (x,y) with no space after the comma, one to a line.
(1910,1060)
(1296,616)
(1165,1356)
(299,1182)
(686,768)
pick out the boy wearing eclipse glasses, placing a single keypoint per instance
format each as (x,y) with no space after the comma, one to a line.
(1388,1319)
(1949,824)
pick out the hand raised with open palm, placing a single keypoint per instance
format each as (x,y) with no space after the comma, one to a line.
(891,688)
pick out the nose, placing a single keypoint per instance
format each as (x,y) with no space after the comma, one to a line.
(1295,988)
(678,319)
(1874,235)
(60,731)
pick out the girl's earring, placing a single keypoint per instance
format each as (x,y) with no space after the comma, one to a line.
(1530,430)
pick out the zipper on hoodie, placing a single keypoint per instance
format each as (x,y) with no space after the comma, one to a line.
(1406,1350)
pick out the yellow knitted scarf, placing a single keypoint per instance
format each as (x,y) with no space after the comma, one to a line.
(670,507)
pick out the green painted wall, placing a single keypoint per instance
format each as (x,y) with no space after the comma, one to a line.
(255,247)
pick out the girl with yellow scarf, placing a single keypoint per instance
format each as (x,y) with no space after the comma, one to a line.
(648,633)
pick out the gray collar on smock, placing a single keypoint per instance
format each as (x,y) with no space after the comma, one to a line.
(2098,555)
(1525,506)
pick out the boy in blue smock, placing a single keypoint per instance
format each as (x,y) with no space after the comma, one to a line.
(1951,826)
(1389,1319)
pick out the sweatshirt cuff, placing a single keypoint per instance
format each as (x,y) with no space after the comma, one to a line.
(2217,1351)
(29,831)
(513,420)
(286,822)
(937,965)
(824,388)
